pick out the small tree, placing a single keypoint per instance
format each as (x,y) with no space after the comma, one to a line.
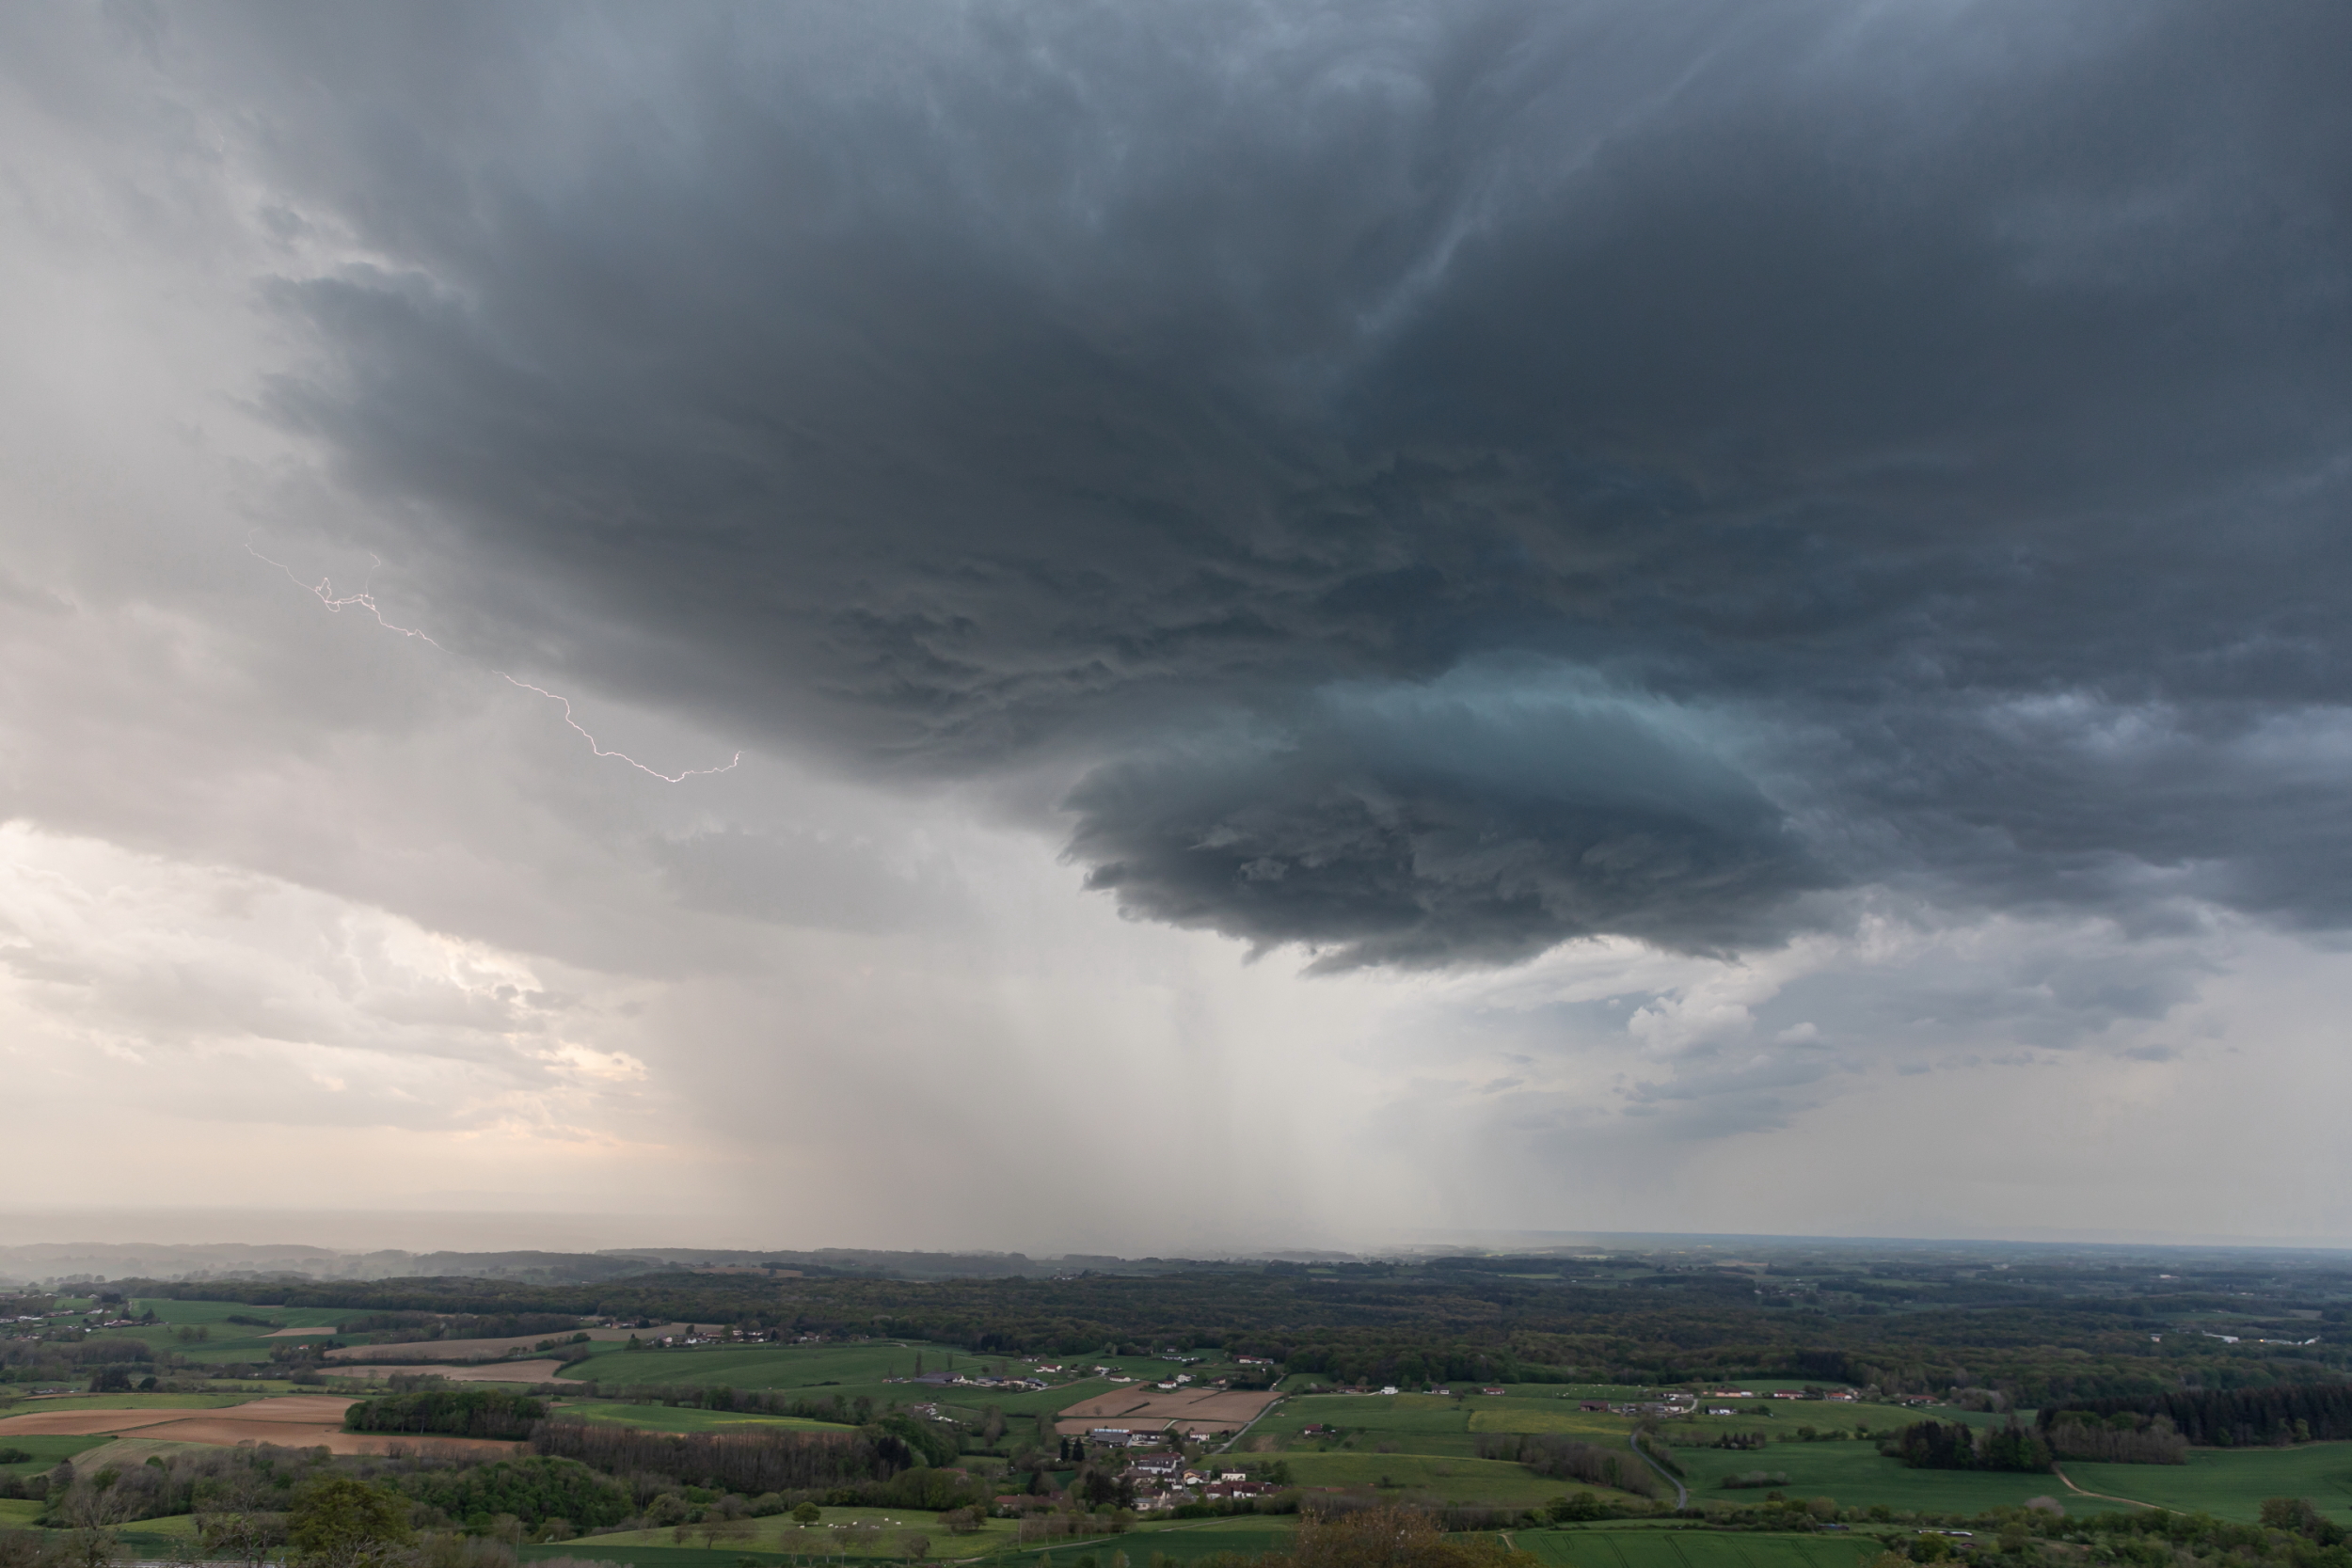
(342,1522)
(715,1529)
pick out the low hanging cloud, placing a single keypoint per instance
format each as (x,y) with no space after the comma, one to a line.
(1949,404)
(1478,818)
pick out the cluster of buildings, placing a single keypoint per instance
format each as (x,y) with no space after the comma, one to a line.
(942,1380)
(1164,1480)
(1669,1405)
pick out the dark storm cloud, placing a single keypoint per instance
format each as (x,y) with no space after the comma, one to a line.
(1462,819)
(1837,443)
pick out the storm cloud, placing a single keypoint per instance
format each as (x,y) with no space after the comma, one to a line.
(1425,483)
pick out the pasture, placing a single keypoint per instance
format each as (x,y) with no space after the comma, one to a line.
(848,1372)
(664,1418)
(1441,1478)
(1858,1476)
(125,1452)
(1185,1541)
(772,1366)
(842,1532)
(2228,1483)
(227,1342)
(131,1401)
(1686,1548)
(46,1449)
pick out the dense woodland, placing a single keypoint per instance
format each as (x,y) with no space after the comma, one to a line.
(2225,1417)
(493,1413)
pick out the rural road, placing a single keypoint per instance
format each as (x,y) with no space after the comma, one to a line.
(1682,1493)
(1245,1429)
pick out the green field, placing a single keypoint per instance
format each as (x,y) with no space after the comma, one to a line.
(125,1452)
(849,1371)
(1181,1542)
(18,1513)
(46,1451)
(229,1342)
(1527,1415)
(171,1526)
(1443,1478)
(779,1533)
(2229,1484)
(1417,1424)
(1683,1548)
(137,1401)
(778,1365)
(664,1418)
(1858,1476)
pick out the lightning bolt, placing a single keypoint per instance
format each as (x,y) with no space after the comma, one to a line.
(665,778)
(324,591)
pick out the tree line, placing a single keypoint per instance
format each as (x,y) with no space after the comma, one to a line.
(1956,1446)
(494,1413)
(2227,1418)
(1567,1458)
(747,1461)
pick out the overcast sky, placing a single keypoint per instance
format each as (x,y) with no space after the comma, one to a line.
(1158,628)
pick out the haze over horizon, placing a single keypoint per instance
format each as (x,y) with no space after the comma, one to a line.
(1056,628)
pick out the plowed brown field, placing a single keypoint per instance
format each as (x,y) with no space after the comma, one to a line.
(1152,1409)
(295,1421)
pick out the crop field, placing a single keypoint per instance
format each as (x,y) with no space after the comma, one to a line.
(1191,1409)
(216,1313)
(663,1418)
(1422,1423)
(131,1401)
(228,1341)
(1183,1542)
(1681,1548)
(126,1452)
(18,1513)
(769,1366)
(596,1550)
(847,1371)
(1445,1478)
(2229,1484)
(780,1533)
(1858,1476)
(1526,1415)
(46,1449)
(349,1374)
(170,1527)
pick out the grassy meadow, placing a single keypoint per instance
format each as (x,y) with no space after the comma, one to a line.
(849,1371)
(1858,1476)
(663,1418)
(46,1451)
(2229,1484)
(1678,1548)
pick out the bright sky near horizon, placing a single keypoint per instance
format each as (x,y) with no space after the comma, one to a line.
(1075,628)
